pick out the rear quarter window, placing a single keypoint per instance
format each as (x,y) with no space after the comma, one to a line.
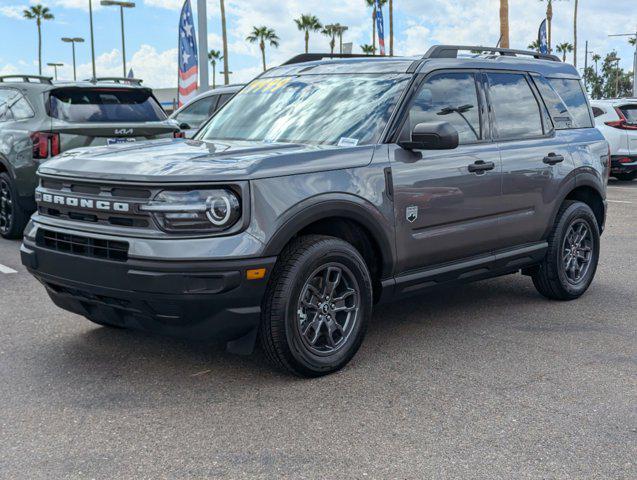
(80,105)
(572,94)
(630,113)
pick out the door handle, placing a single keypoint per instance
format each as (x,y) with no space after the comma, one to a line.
(552,159)
(481,166)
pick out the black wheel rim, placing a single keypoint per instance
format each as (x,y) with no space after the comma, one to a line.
(577,251)
(328,309)
(6,207)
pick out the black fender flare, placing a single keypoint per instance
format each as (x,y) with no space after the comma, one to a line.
(331,205)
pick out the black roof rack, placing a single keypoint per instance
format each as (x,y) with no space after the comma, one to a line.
(28,78)
(134,81)
(312,57)
(451,51)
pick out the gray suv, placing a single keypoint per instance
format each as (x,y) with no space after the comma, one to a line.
(40,119)
(325,186)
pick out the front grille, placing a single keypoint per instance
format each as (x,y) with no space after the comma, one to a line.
(131,195)
(82,246)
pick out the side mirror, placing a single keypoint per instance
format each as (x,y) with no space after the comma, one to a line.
(432,136)
(184,126)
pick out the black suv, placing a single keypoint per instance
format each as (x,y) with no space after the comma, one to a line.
(323,187)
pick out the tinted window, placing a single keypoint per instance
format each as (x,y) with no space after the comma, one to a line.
(223,99)
(21,109)
(630,112)
(573,97)
(517,113)
(448,97)
(562,118)
(104,105)
(598,112)
(197,113)
(344,110)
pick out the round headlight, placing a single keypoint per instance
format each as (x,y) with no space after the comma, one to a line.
(218,210)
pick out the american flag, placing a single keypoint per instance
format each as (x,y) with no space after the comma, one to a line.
(381,27)
(188,69)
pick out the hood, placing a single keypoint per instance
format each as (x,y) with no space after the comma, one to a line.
(178,160)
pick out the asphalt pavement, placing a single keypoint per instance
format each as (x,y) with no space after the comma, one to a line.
(489,380)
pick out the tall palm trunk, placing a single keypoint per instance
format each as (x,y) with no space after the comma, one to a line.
(504,23)
(226,73)
(214,75)
(307,40)
(549,19)
(262,46)
(39,46)
(374,29)
(575,36)
(391,28)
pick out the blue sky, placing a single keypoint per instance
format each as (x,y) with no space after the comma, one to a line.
(151,31)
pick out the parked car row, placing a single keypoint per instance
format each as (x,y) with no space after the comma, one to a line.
(321,188)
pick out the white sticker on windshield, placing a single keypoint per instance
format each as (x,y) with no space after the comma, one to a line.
(347,142)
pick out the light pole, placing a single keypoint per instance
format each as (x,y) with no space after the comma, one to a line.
(634,59)
(73,41)
(202,53)
(90,21)
(339,29)
(122,6)
(55,67)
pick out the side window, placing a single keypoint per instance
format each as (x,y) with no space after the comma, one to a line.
(6,98)
(197,113)
(223,99)
(21,109)
(598,112)
(447,97)
(517,113)
(562,118)
(572,94)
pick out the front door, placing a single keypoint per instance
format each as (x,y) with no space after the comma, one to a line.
(446,201)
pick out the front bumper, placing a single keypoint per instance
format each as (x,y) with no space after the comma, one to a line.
(617,167)
(193,299)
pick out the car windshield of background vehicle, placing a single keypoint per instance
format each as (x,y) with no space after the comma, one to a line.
(573,97)
(447,97)
(197,113)
(342,110)
(630,112)
(78,105)
(517,112)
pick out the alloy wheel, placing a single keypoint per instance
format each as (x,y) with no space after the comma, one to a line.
(577,251)
(328,308)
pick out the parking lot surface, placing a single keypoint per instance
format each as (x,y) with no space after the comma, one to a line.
(489,380)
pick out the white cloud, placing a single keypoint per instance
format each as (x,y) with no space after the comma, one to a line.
(12,11)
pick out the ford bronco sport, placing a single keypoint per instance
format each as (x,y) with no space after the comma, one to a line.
(325,186)
(40,119)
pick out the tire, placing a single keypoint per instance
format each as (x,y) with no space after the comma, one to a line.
(564,275)
(301,330)
(626,177)
(13,218)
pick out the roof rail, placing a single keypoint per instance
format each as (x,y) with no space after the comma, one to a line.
(312,57)
(451,51)
(135,81)
(28,78)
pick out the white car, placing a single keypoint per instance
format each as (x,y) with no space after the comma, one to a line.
(617,120)
(192,115)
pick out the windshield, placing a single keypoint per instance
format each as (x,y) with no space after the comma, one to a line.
(344,110)
(104,105)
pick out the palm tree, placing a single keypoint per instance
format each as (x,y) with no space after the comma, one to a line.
(263,35)
(504,23)
(549,19)
(331,31)
(368,49)
(596,58)
(575,34)
(564,48)
(534,45)
(308,23)
(224,35)
(214,56)
(372,3)
(633,41)
(38,13)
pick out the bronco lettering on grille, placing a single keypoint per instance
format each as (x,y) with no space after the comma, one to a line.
(87,203)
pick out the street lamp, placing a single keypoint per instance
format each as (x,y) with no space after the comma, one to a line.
(90,21)
(122,6)
(339,29)
(55,67)
(73,41)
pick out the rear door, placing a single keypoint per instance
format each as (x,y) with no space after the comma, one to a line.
(535,157)
(94,116)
